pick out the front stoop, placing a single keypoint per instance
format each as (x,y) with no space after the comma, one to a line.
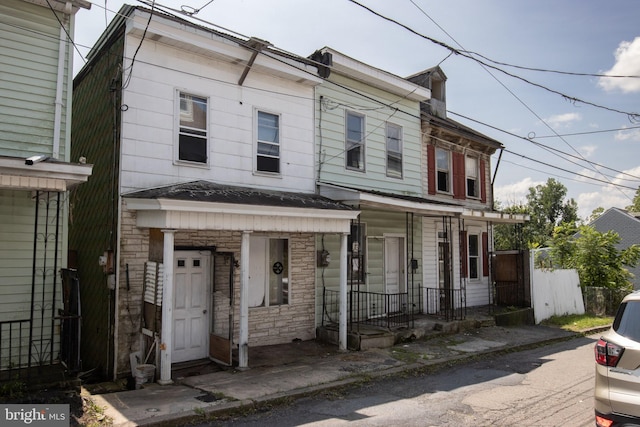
(368,337)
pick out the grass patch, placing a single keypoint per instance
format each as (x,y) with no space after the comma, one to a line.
(578,322)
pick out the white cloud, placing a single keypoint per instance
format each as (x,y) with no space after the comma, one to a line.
(627,64)
(632,135)
(588,150)
(516,193)
(563,120)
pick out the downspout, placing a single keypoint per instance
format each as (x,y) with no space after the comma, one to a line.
(62,52)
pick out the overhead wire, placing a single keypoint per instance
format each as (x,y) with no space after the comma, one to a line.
(347,88)
(484,66)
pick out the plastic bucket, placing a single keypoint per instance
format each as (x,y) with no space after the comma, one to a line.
(144,374)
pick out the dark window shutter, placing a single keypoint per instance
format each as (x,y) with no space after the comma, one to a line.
(459,178)
(431,169)
(464,270)
(485,254)
(483,182)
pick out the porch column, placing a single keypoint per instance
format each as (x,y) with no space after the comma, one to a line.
(243,349)
(166,343)
(342,329)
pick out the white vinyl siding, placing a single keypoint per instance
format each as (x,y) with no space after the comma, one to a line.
(148,124)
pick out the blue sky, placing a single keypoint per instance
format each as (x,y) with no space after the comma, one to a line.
(597,153)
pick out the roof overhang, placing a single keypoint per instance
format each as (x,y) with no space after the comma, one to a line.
(63,6)
(45,175)
(342,64)
(199,215)
(495,217)
(357,198)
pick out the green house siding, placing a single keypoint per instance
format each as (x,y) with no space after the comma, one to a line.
(29,69)
(330,129)
(94,205)
(378,225)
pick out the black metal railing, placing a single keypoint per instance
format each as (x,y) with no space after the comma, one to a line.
(449,303)
(14,348)
(372,308)
(379,309)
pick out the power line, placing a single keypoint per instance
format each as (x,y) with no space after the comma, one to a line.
(633,117)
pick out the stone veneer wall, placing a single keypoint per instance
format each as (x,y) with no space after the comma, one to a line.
(267,325)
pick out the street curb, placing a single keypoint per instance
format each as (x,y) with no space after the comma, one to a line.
(234,407)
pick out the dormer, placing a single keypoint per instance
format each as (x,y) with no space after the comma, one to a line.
(435,80)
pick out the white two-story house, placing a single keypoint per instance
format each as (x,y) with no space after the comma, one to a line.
(197,236)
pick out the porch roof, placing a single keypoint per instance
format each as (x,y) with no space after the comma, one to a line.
(41,173)
(204,205)
(417,205)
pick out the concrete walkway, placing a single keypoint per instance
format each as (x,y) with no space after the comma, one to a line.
(301,368)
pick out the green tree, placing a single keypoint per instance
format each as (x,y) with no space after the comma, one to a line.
(509,236)
(595,214)
(595,256)
(635,204)
(547,208)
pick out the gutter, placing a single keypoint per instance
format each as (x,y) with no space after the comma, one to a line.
(62,51)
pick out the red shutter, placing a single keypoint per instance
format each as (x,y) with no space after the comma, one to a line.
(483,182)
(431,169)
(459,178)
(485,254)
(464,270)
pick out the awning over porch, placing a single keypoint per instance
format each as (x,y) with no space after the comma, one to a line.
(417,205)
(204,205)
(41,173)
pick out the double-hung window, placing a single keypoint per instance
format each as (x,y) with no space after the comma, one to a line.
(472,172)
(443,168)
(193,138)
(394,150)
(474,256)
(268,153)
(354,141)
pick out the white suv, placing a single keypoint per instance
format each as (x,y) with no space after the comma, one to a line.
(617,388)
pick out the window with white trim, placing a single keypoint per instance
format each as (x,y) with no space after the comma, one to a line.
(394,150)
(443,170)
(268,150)
(474,256)
(354,141)
(472,172)
(193,137)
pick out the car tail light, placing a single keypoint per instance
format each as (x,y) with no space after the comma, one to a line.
(603,422)
(607,354)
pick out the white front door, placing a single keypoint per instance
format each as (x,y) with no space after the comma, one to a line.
(394,269)
(190,306)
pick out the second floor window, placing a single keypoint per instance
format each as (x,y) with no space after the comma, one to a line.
(472,172)
(394,150)
(193,137)
(443,174)
(268,157)
(355,141)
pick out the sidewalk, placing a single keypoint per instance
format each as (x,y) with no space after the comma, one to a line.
(300,368)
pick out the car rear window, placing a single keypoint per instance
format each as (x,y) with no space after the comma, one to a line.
(627,321)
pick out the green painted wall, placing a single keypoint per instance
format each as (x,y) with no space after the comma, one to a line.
(94,205)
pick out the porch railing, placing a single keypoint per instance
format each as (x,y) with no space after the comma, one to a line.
(372,308)
(14,348)
(449,303)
